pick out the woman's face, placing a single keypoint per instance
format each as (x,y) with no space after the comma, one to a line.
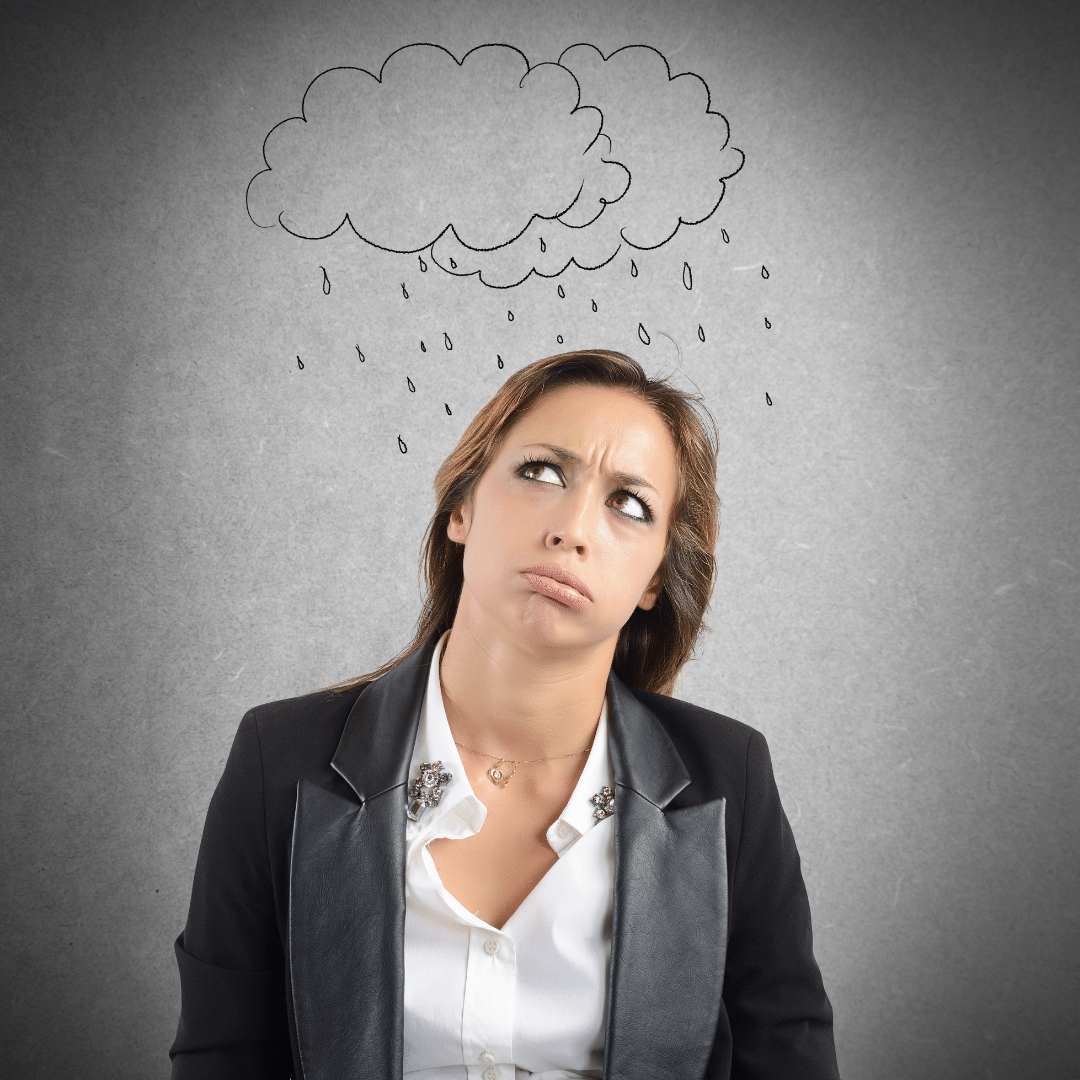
(584,482)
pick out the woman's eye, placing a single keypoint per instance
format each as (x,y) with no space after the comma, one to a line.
(539,470)
(626,497)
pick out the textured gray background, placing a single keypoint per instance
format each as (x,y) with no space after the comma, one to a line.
(192,525)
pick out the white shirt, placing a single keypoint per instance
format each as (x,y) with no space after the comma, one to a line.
(487,1004)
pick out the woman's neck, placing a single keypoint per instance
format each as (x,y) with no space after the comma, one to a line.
(506,699)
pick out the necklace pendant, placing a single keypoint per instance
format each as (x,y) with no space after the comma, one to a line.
(499,776)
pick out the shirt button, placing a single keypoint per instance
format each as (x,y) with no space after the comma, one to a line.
(566,830)
(491,1074)
(491,946)
(487,1057)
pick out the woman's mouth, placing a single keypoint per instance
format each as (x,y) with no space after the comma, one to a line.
(541,580)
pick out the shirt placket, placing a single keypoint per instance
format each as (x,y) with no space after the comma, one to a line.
(487,1029)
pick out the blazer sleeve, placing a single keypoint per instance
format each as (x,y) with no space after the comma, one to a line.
(233,1020)
(780,1016)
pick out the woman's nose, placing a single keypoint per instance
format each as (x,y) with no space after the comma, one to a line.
(574,525)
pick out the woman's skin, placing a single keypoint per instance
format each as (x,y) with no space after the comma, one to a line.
(524,673)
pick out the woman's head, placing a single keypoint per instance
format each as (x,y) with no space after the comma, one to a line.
(582,462)
(581,484)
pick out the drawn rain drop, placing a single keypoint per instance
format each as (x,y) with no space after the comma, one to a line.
(423,347)
(768,400)
(300,363)
(510,316)
(559,339)
(401,445)
(423,265)
(643,334)
(687,276)
(633,268)
(764,272)
(453,265)
(360,354)
(768,325)
(500,359)
(412,387)
(700,332)
(325,282)
(447,408)
(446,341)
(562,294)
(594,305)
(543,246)
(404,291)
(727,239)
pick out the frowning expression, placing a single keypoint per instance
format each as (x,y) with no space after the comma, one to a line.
(582,488)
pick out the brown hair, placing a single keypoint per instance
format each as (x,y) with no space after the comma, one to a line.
(653,645)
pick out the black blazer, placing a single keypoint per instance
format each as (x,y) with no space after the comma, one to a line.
(291,962)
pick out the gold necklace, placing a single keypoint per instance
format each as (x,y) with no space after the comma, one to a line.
(499,777)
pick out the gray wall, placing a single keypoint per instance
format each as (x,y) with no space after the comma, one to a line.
(192,525)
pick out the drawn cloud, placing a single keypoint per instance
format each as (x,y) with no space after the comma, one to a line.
(498,168)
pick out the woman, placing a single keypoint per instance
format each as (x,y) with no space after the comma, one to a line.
(510,850)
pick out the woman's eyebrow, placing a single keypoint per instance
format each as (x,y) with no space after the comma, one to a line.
(624,478)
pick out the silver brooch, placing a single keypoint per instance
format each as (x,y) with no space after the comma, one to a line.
(426,789)
(604,803)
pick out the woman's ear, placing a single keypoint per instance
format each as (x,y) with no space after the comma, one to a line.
(650,595)
(457,528)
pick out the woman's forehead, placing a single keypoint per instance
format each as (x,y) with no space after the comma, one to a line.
(579,422)
(589,410)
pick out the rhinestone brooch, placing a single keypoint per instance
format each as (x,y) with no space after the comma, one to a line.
(426,789)
(604,803)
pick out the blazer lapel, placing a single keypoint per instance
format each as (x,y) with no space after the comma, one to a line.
(669,919)
(347,889)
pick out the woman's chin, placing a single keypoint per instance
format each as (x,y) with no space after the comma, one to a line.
(546,621)
(546,610)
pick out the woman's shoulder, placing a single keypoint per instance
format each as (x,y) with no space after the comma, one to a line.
(296,738)
(709,734)
(721,754)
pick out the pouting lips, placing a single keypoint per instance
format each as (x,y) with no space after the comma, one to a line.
(557,590)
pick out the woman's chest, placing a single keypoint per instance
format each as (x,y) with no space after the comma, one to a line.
(492,872)
(531,992)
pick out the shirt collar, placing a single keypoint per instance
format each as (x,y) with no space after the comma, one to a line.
(434,742)
(579,814)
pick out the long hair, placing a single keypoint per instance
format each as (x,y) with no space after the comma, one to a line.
(653,645)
